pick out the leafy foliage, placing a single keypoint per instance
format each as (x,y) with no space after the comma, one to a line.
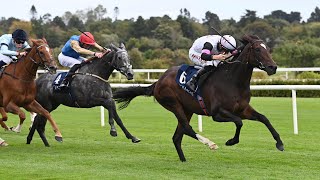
(293,43)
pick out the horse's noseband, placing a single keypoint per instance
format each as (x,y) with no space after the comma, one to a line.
(41,63)
(114,64)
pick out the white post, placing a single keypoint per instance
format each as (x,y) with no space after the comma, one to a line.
(294,111)
(102,115)
(200,123)
(148,76)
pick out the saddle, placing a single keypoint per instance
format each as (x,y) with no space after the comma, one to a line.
(184,74)
(57,81)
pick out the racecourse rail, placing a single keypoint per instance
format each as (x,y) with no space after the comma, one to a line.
(293,89)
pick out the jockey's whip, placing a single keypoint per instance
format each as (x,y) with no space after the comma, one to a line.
(223,37)
(91,39)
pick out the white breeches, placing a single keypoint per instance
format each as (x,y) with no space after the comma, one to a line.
(195,57)
(5,59)
(68,61)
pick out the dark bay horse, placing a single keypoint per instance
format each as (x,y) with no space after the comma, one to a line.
(18,88)
(89,88)
(226,94)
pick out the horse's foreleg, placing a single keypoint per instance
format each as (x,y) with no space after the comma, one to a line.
(177,139)
(3,118)
(251,114)
(14,109)
(113,131)
(111,106)
(37,108)
(226,116)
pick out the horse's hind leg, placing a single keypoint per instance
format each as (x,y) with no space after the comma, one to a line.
(251,114)
(39,124)
(37,108)
(185,128)
(111,106)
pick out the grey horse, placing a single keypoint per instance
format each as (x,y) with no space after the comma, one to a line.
(89,88)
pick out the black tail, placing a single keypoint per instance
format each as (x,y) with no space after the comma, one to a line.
(125,95)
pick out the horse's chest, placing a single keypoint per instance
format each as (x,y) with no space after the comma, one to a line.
(24,96)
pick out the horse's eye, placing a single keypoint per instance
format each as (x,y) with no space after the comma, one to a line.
(257,50)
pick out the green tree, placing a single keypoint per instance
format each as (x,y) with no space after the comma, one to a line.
(33,12)
(315,16)
(296,54)
(139,28)
(136,58)
(75,22)
(57,21)
(249,17)
(212,20)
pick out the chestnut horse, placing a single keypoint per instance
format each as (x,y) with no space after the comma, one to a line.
(18,87)
(226,94)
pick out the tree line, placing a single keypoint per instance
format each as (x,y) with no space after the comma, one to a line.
(161,42)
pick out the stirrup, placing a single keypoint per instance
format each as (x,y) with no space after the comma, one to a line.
(64,84)
(191,85)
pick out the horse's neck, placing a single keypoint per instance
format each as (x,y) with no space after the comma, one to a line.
(99,67)
(242,73)
(26,68)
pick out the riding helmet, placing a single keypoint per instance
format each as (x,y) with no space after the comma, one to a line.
(19,34)
(87,38)
(228,42)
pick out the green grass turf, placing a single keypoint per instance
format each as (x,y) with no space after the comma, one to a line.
(89,152)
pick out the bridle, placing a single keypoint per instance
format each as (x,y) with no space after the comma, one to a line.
(41,63)
(260,65)
(114,63)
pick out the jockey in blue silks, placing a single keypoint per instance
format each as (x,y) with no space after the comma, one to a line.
(11,46)
(72,51)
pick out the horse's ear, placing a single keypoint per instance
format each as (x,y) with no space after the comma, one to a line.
(45,40)
(113,47)
(34,42)
(122,46)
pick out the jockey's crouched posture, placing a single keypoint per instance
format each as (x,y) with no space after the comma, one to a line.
(209,51)
(11,45)
(74,47)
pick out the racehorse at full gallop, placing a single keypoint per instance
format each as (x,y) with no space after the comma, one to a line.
(89,88)
(226,94)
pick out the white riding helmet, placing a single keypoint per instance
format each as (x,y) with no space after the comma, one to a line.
(231,45)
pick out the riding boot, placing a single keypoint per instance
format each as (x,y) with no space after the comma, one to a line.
(192,83)
(66,82)
(2,64)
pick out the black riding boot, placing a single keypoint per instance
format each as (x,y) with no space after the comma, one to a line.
(66,82)
(195,78)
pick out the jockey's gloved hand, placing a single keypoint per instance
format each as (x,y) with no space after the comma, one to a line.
(234,52)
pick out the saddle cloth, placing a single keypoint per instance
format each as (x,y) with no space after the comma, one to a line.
(58,80)
(185,73)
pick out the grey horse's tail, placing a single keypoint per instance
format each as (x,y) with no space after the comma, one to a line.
(125,95)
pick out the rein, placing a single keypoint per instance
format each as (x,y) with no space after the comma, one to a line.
(35,62)
(93,75)
(260,65)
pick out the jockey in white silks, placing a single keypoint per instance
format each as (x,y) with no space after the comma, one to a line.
(209,50)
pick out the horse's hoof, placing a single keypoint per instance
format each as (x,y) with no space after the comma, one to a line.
(135,140)
(114,133)
(59,139)
(213,147)
(280,147)
(232,142)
